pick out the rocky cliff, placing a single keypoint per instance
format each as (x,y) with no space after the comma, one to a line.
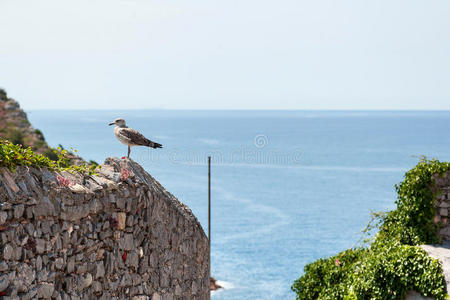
(115,234)
(15,127)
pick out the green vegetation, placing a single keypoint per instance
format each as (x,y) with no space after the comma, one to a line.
(412,222)
(51,154)
(93,162)
(38,132)
(3,95)
(12,155)
(392,263)
(16,137)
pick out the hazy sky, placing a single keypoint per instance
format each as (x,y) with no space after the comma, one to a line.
(230,54)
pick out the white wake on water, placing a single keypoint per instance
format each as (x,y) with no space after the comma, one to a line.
(276,218)
(225,286)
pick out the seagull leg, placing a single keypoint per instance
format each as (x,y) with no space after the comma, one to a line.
(129,150)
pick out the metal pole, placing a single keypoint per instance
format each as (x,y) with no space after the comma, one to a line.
(209,200)
(209,214)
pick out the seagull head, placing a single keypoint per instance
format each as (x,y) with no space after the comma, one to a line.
(119,122)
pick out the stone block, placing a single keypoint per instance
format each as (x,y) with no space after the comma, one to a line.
(156,296)
(444,204)
(45,290)
(40,246)
(8,252)
(121,219)
(18,210)
(4,282)
(43,208)
(3,217)
(132,259)
(126,242)
(99,270)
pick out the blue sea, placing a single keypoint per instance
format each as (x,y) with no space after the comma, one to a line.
(288,187)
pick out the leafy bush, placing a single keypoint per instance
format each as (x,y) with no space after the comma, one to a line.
(412,222)
(3,95)
(38,132)
(93,162)
(381,273)
(393,263)
(39,144)
(328,278)
(51,154)
(16,137)
(390,271)
(12,155)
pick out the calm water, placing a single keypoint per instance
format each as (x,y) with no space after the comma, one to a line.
(288,187)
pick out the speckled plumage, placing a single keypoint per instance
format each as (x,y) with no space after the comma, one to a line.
(131,137)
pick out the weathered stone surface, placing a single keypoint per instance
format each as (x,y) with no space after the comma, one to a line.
(99,237)
(9,181)
(3,217)
(24,278)
(45,290)
(59,263)
(8,252)
(140,298)
(87,280)
(133,259)
(18,210)
(73,213)
(44,208)
(156,296)
(30,294)
(40,246)
(38,263)
(3,266)
(4,282)
(99,270)
(444,204)
(78,188)
(126,242)
(412,295)
(121,218)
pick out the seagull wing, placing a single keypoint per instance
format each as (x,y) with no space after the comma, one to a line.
(134,137)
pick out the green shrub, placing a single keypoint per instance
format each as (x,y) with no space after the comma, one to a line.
(393,263)
(38,132)
(3,95)
(412,222)
(16,137)
(51,154)
(390,271)
(328,278)
(93,162)
(12,155)
(39,144)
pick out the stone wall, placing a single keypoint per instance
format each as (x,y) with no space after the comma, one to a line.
(443,204)
(118,235)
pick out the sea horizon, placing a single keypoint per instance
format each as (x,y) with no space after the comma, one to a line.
(234,110)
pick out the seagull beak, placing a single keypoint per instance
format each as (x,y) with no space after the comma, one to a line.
(111,123)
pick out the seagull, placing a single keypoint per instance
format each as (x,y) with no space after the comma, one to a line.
(131,137)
